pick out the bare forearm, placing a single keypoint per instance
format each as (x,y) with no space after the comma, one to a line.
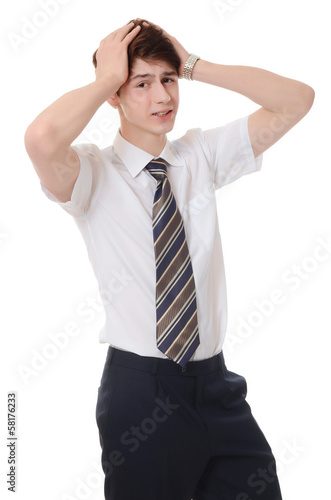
(269,90)
(283,102)
(62,122)
(49,137)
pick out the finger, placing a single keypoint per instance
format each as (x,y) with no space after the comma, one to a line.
(131,35)
(126,26)
(120,33)
(123,31)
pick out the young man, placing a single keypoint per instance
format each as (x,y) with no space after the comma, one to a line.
(173,421)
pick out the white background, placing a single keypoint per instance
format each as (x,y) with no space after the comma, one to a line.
(271,223)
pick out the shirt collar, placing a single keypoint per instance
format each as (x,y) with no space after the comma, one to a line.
(135,159)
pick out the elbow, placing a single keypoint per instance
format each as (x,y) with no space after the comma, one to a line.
(29,139)
(309,97)
(37,140)
(305,99)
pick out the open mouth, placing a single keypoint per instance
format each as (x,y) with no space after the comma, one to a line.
(165,113)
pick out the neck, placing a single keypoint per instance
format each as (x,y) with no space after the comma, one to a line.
(151,143)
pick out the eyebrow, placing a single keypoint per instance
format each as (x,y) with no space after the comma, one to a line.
(149,75)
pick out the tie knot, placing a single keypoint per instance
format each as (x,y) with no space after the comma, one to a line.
(157,168)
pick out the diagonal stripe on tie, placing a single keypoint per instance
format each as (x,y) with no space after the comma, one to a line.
(167,279)
(174,316)
(172,244)
(177,332)
(174,287)
(176,319)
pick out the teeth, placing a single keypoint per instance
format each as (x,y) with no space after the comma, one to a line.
(162,114)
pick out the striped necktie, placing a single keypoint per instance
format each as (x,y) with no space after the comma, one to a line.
(176,310)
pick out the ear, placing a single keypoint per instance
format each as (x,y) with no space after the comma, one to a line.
(113,101)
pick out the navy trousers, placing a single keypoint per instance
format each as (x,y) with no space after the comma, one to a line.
(169,433)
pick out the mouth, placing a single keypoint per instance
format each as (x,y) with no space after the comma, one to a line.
(162,114)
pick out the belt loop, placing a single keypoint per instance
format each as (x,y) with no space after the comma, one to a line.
(155,367)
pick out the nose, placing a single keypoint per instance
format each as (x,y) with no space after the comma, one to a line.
(161,94)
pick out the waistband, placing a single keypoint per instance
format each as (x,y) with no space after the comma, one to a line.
(163,366)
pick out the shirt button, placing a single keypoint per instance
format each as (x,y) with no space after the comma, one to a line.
(184,369)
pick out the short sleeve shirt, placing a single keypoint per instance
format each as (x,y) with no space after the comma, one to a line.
(112,203)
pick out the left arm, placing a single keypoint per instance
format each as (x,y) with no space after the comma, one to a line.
(284,102)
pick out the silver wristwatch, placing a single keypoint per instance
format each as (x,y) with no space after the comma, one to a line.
(189,65)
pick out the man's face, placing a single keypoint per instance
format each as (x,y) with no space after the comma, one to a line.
(148,101)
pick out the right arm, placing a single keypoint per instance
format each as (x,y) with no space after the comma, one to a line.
(49,137)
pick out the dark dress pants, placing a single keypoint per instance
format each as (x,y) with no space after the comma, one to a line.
(169,433)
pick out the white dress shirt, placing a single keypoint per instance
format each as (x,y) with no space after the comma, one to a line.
(112,204)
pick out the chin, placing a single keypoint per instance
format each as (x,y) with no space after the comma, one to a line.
(168,127)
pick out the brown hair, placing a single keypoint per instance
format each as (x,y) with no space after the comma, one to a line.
(150,44)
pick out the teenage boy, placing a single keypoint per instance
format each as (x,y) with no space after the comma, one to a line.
(173,421)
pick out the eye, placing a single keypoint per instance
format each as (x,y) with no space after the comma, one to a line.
(168,80)
(142,85)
